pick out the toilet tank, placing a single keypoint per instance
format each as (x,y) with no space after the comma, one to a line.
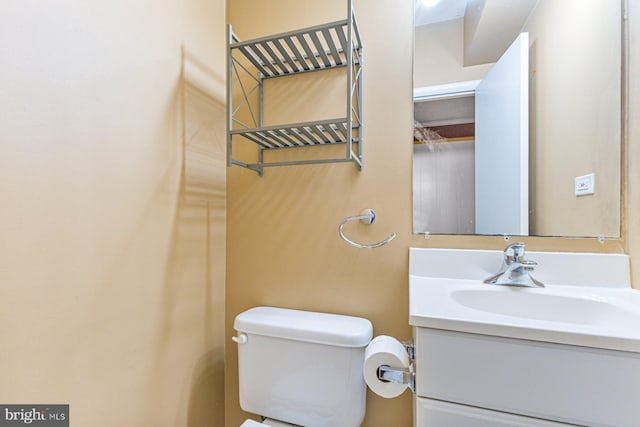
(302,367)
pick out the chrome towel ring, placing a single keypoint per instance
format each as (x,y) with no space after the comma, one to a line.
(367,216)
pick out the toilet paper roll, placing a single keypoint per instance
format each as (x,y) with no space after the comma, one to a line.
(384,350)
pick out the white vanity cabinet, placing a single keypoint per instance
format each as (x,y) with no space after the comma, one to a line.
(485,355)
(473,380)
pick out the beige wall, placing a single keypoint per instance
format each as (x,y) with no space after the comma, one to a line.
(283,248)
(439,55)
(283,245)
(112,225)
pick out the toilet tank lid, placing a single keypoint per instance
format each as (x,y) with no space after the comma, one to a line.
(308,326)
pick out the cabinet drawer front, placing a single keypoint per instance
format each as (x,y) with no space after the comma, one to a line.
(571,384)
(435,413)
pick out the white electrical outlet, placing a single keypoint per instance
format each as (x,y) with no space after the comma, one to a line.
(585,184)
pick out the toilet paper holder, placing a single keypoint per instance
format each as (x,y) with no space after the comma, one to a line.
(400,375)
(393,374)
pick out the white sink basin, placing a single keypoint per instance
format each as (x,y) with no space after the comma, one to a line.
(587,300)
(578,306)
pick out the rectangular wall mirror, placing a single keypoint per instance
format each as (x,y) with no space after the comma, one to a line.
(518,117)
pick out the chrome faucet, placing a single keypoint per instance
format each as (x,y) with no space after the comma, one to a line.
(515,269)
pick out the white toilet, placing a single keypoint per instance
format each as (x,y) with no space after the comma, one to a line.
(301,368)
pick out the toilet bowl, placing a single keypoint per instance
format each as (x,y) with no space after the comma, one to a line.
(301,367)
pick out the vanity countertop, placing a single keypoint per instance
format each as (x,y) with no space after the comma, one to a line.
(587,301)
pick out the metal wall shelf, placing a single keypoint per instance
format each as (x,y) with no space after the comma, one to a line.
(322,47)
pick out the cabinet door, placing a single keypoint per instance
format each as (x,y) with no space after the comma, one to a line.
(570,384)
(436,413)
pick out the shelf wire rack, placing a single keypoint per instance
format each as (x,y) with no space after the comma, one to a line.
(321,47)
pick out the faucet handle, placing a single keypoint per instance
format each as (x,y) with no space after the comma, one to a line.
(528,265)
(514,253)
